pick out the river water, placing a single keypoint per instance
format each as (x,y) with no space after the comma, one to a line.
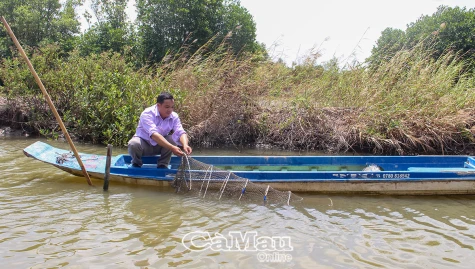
(49,219)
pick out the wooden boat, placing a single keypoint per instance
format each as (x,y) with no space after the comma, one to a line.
(394,175)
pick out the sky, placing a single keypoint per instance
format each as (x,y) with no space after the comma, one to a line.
(345,29)
(335,28)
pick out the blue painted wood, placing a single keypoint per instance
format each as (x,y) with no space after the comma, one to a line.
(65,158)
(279,168)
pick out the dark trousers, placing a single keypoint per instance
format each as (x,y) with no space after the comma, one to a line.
(139,147)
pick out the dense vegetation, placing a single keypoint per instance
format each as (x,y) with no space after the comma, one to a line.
(448,29)
(418,100)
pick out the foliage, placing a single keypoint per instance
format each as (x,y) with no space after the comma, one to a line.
(451,27)
(408,101)
(112,31)
(388,44)
(39,21)
(447,29)
(99,96)
(240,27)
(410,104)
(166,26)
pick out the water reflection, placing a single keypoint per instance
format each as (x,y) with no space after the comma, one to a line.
(50,219)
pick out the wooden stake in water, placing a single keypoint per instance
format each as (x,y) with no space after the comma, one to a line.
(47,97)
(108,167)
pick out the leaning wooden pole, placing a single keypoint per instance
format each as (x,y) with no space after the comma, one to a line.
(48,98)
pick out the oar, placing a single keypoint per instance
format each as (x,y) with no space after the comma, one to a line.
(48,99)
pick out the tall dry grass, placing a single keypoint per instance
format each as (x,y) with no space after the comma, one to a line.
(412,104)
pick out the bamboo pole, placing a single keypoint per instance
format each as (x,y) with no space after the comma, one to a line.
(47,97)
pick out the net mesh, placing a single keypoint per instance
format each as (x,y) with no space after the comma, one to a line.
(205,180)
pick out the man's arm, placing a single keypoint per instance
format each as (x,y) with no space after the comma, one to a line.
(184,143)
(180,134)
(161,141)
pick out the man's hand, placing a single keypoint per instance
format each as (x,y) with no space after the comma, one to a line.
(177,151)
(184,142)
(187,149)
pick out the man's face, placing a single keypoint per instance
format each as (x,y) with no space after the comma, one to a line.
(166,108)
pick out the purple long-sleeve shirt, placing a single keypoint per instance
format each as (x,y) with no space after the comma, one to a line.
(150,122)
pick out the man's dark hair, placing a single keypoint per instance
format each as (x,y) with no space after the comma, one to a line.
(164,96)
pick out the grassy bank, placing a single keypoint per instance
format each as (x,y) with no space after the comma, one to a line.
(411,104)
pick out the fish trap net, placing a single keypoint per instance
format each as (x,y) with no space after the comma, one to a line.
(206,180)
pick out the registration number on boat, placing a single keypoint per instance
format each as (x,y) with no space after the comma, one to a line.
(396,175)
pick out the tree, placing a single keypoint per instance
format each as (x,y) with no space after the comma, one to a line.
(390,42)
(39,21)
(242,26)
(450,28)
(110,32)
(447,29)
(165,26)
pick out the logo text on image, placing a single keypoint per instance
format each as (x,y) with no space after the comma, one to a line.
(235,241)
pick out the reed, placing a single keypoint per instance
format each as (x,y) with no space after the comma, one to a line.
(410,104)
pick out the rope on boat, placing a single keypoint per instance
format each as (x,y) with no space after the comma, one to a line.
(265,195)
(207,185)
(243,189)
(225,182)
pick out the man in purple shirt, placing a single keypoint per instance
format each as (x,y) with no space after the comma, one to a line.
(159,132)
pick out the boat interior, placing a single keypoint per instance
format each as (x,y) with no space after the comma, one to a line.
(319,163)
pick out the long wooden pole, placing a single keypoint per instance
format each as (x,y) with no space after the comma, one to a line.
(48,98)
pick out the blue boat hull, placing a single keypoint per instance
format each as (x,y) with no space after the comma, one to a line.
(397,175)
